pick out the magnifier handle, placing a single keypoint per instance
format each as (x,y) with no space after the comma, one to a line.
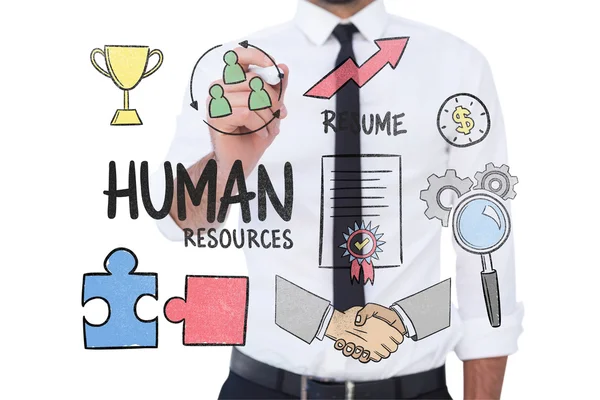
(491,292)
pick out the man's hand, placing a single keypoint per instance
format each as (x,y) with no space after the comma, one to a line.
(248,148)
(373,341)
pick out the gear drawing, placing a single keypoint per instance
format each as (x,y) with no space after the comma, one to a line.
(437,185)
(497,180)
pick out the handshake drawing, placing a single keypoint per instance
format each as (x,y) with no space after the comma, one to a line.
(369,333)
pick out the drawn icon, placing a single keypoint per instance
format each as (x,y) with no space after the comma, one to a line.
(460,116)
(379,205)
(437,185)
(481,225)
(463,120)
(126,66)
(498,181)
(390,52)
(370,333)
(362,245)
(218,106)
(259,98)
(214,311)
(232,75)
(232,72)
(121,287)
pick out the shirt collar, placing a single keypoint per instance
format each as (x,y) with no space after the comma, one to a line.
(318,24)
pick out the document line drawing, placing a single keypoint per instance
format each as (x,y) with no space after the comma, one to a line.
(378,207)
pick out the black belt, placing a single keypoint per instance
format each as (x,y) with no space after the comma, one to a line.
(401,387)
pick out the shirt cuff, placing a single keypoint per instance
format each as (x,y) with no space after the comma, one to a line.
(325,323)
(480,340)
(408,325)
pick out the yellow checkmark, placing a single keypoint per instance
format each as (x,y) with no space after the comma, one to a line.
(360,246)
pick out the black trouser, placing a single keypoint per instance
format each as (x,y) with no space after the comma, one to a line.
(238,388)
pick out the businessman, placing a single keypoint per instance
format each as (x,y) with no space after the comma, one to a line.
(340,328)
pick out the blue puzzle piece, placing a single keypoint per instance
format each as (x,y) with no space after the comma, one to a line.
(121,288)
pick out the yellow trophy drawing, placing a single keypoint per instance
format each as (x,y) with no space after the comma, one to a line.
(126,66)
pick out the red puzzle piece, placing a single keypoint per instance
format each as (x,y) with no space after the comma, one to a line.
(214,311)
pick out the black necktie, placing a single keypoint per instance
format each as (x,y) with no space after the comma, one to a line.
(347,193)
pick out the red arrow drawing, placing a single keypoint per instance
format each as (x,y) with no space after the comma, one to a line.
(390,52)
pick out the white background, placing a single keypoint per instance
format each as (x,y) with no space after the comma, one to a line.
(57,142)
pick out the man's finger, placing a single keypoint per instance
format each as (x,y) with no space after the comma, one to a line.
(251,56)
(240,96)
(240,100)
(275,127)
(237,87)
(240,117)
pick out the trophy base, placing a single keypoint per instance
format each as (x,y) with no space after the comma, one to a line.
(126,117)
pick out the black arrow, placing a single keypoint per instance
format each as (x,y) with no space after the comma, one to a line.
(194,103)
(276,114)
(245,45)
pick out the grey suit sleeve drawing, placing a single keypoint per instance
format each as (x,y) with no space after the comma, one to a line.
(298,311)
(428,310)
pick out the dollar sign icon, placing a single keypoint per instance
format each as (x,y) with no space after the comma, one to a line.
(461,117)
(463,120)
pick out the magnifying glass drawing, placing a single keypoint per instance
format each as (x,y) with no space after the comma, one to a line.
(481,225)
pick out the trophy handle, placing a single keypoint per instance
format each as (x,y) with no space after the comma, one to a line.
(95,64)
(158,64)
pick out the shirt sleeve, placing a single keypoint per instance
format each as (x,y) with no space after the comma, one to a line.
(427,312)
(191,142)
(480,339)
(300,312)
(325,322)
(408,325)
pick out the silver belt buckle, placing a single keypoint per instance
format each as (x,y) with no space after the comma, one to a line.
(349,390)
(304,388)
(349,387)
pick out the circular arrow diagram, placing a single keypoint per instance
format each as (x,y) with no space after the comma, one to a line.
(244,44)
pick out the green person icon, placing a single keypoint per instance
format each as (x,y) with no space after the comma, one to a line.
(233,72)
(259,98)
(219,106)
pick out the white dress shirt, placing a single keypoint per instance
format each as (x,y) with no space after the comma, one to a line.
(434,66)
